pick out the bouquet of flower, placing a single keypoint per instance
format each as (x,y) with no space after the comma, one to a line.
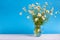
(40,15)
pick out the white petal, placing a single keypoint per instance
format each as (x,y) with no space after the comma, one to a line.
(43,17)
(52,9)
(20,13)
(46,3)
(51,13)
(47,11)
(33,5)
(31,12)
(39,15)
(37,3)
(44,9)
(24,9)
(56,12)
(28,17)
(36,19)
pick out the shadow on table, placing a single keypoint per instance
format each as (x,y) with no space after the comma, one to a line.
(30,35)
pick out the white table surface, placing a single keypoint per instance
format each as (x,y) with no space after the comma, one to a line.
(29,37)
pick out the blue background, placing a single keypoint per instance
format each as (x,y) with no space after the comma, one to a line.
(12,23)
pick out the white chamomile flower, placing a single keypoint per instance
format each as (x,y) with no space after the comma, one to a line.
(24,9)
(36,19)
(43,17)
(30,6)
(52,9)
(38,8)
(56,12)
(28,17)
(31,12)
(37,3)
(51,13)
(39,15)
(46,3)
(20,13)
(44,9)
(47,11)
(33,5)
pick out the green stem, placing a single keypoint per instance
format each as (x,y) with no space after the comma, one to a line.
(37,28)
